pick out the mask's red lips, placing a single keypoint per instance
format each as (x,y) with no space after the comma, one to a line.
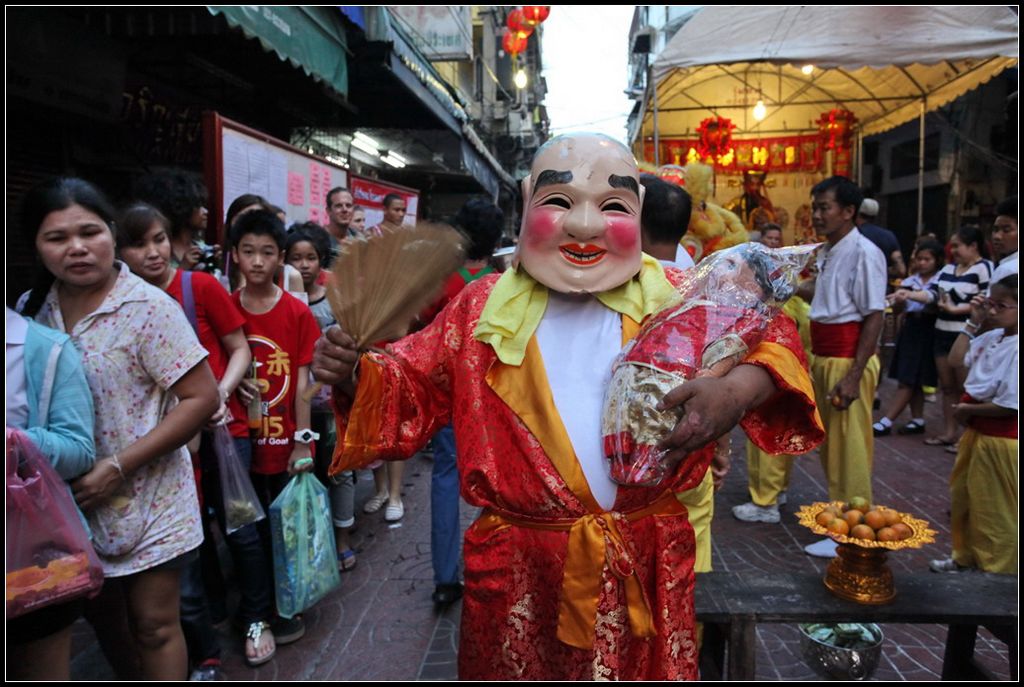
(582,255)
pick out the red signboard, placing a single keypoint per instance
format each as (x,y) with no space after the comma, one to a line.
(777,154)
(369,195)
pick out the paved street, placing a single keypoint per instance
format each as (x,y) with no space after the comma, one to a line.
(381,625)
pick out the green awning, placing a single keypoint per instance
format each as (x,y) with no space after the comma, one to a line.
(311,38)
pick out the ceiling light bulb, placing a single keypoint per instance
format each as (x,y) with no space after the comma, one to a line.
(760,111)
(807,69)
(520,79)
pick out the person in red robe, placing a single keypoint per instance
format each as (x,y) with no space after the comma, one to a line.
(567,575)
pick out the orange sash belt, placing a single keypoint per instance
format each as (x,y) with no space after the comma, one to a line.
(835,340)
(594,541)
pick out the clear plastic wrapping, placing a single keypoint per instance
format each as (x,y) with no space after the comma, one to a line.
(720,312)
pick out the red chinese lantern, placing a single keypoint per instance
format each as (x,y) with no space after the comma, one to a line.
(517,23)
(836,128)
(513,43)
(715,137)
(535,14)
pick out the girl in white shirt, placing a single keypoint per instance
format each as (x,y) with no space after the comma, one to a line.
(983,486)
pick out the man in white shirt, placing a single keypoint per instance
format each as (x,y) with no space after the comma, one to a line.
(846,320)
(1004,239)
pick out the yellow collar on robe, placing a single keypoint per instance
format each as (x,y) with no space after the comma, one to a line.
(516,305)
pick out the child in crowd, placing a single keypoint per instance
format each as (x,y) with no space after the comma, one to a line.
(307,250)
(983,486)
(952,290)
(144,245)
(281,332)
(913,364)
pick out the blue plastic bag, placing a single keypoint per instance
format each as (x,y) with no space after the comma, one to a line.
(305,560)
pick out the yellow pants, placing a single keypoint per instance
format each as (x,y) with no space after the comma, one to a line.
(983,491)
(767,474)
(700,502)
(848,450)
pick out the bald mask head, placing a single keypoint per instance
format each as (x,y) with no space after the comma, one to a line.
(581,219)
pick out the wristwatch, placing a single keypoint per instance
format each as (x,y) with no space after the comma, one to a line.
(305,436)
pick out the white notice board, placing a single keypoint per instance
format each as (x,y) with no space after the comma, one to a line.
(242,160)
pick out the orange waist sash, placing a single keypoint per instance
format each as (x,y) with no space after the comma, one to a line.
(594,540)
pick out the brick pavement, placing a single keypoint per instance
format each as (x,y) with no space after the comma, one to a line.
(381,625)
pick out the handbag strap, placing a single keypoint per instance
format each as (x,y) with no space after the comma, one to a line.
(189,300)
(46,391)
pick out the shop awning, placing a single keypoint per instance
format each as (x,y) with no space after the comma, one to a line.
(310,38)
(885,64)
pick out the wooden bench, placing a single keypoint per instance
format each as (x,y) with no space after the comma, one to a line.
(731,605)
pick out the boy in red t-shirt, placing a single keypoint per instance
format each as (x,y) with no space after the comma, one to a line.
(281,332)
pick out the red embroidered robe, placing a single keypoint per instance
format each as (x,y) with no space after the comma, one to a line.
(544,562)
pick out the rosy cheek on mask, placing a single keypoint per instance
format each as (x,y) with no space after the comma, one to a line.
(622,233)
(542,225)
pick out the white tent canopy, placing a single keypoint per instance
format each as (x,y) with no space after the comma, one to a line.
(885,64)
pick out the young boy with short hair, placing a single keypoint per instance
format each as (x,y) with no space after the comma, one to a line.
(281,332)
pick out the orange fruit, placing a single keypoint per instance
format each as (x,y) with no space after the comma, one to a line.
(887,534)
(902,530)
(838,526)
(874,519)
(834,510)
(853,517)
(824,518)
(891,517)
(863,532)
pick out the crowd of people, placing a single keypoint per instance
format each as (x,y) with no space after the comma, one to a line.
(146,342)
(154,354)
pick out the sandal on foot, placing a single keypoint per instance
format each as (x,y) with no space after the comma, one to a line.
(376,502)
(938,441)
(346,560)
(258,633)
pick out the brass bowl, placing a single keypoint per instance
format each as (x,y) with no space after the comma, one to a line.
(859,572)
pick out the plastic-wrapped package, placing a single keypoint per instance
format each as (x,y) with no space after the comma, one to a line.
(719,313)
(241,505)
(305,559)
(49,557)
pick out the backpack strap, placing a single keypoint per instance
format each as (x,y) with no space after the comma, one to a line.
(189,299)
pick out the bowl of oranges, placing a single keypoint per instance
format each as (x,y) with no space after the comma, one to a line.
(860,523)
(866,534)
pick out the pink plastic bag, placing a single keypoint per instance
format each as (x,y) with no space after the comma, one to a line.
(49,557)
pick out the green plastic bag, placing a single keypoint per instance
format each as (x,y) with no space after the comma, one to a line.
(305,560)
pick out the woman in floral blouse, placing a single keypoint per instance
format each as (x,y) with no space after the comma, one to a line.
(152,391)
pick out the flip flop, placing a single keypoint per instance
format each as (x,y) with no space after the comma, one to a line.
(346,560)
(938,441)
(255,633)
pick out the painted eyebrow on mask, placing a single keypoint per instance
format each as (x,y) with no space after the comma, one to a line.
(551,177)
(615,181)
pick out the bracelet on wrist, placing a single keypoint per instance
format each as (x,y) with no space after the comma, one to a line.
(117,466)
(968,323)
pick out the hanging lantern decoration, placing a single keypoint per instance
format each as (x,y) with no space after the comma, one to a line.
(715,138)
(513,43)
(535,14)
(836,128)
(517,23)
